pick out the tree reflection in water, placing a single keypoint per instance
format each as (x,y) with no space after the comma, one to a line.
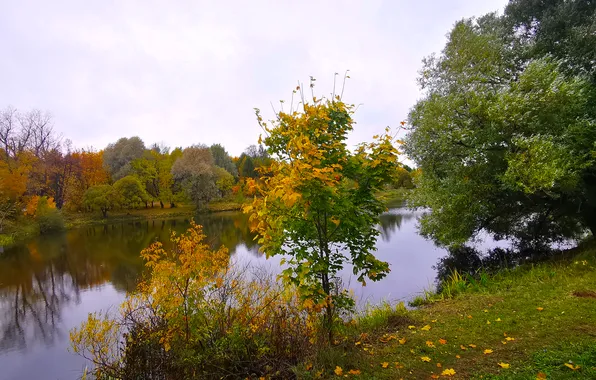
(40,278)
(391,221)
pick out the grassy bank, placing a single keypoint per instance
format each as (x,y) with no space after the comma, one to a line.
(532,322)
(394,197)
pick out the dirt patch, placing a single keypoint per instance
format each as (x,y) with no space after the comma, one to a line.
(399,321)
(585,294)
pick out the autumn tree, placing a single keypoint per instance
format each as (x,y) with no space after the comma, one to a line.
(315,203)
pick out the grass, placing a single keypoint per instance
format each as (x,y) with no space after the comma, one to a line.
(535,319)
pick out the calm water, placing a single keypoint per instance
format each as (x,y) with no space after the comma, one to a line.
(50,284)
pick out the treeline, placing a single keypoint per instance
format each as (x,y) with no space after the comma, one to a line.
(40,170)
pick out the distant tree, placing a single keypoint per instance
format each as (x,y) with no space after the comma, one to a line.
(131,192)
(195,173)
(101,197)
(224,182)
(246,166)
(222,159)
(118,156)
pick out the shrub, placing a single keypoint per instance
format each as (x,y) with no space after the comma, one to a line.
(197,316)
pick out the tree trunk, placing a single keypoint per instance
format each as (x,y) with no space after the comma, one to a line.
(104,212)
(172,205)
(589,218)
(161,203)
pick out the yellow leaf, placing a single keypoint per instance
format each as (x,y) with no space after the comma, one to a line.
(488,351)
(425,359)
(457,357)
(442,341)
(425,328)
(469,317)
(309,366)
(462,347)
(498,320)
(434,376)
(572,367)
(354,372)
(402,341)
(385,364)
(540,376)
(539,308)
(338,371)
(448,372)
(503,365)
(472,345)
(488,322)
(358,343)
(439,365)
(430,344)
(509,339)
(411,327)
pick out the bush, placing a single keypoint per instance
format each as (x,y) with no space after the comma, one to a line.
(50,220)
(197,316)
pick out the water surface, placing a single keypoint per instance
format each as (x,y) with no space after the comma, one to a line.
(49,284)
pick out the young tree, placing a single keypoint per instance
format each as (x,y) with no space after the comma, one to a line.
(316,202)
(222,159)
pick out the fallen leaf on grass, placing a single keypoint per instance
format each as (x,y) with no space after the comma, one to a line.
(354,372)
(488,351)
(411,327)
(442,341)
(469,317)
(425,328)
(498,320)
(385,364)
(572,367)
(402,341)
(430,344)
(439,365)
(503,365)
(472,345)
(509,339)
(457,357)
(338,371)
(397,365)
(462,347)
(309,366)
(448,372)
(425,359)
(540,376)
(539,308)
(434,376)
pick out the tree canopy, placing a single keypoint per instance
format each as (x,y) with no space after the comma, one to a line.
(505,134)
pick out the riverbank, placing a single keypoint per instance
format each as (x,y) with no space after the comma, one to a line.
(25,228)
(535,321)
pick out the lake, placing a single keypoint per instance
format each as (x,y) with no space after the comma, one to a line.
(49,284)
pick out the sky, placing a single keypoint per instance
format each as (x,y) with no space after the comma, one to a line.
(186,72)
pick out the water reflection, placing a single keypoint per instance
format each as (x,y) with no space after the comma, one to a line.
(40,278)
(48,285)
(391,221)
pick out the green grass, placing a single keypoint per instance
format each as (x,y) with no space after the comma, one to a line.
(548,310)
(224,206)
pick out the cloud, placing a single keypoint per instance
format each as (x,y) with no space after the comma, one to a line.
(184,72)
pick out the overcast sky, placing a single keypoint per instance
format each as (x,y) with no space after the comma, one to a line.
(185,72)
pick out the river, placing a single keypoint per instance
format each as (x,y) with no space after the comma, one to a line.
(49,284)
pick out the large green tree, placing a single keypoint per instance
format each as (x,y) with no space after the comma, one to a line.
(316,201)
(504,137)
(195,173)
